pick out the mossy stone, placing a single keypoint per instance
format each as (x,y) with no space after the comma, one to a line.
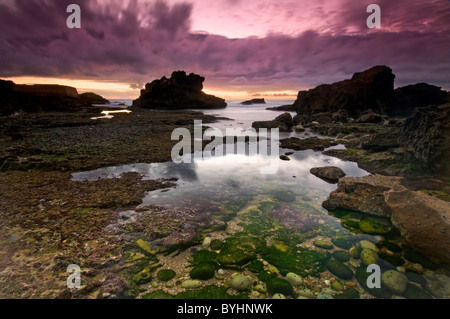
(336,285)
(368,257)
(341,255)
(146,247)
(339,269)
(202,271)
(241,282)
(389,245)
(372,227)
(278,285)
(395,281)
(323,244)
(367,244)
(342,242)
(165,274)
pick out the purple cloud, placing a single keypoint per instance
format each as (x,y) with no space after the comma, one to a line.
(139,41)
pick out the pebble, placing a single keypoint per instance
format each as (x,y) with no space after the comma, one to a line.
(221,272)
(306,293)
(350,284)
(294,279)
(278,296)
(206,242)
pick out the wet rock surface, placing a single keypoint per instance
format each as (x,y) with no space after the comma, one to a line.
(330,174)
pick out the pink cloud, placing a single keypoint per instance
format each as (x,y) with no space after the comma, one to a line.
(135,42)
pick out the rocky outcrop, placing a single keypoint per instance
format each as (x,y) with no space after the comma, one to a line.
(330,174)
(283,122)
(426,134)
(254,101)
(371,89)
(46,89)
(38,98)
(180,91)
(362,194)
(409,97)
(423,220)
(310,143)
(93,98)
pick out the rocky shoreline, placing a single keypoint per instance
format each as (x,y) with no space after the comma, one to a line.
(269,246)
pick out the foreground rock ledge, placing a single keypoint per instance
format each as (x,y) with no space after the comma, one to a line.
(423,220)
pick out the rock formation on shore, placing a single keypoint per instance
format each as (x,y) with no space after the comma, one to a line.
(423,220)
(38,98)
(254,101)
(373,90)
(180,91)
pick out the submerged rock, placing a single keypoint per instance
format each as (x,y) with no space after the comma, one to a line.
(292,217)
(241,282)
(395,281)
(330,174)
(339,269)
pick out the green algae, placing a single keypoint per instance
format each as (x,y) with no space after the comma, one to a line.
(166,274)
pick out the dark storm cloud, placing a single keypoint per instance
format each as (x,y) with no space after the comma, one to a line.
(137,42)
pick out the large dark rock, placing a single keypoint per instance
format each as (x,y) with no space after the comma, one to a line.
(407,98)
(371,89)
(254,101)
(426,134)
(181,91)
(283,122)
(38,98)
(330,174)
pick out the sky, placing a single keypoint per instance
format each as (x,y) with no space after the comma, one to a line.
(244,48)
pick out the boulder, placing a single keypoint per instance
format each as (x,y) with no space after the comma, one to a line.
(180,91)
(362,194)
(407,98)
(371,89)
(423,220)
(426,135)
(254,101)
(283,122)
(330,174)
